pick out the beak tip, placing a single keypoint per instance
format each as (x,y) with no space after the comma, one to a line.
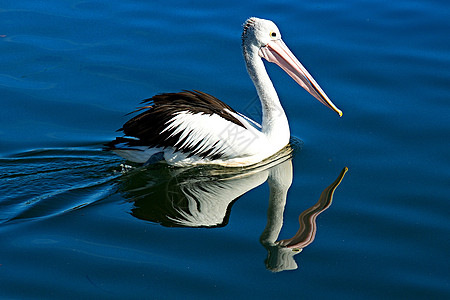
(339,112)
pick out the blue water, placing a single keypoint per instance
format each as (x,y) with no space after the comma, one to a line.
(78,222)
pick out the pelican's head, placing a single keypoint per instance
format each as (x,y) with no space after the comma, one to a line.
(259,32)
(264,37)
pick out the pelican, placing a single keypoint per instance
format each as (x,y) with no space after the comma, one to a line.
(193,127)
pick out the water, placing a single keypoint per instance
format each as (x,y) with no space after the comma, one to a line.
(77,222)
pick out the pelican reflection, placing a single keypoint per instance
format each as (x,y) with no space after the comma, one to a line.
(204,196)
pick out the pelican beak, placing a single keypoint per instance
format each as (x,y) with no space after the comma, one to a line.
(277,52)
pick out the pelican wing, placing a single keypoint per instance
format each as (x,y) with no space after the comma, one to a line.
(191,122)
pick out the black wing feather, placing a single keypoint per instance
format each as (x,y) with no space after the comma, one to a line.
(146,129)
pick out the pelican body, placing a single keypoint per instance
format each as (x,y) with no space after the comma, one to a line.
(192,127)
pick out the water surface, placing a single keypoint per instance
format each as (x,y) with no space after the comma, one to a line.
(78,222)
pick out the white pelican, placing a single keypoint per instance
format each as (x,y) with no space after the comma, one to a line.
(192,127)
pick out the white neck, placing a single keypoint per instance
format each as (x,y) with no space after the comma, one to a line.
(274,122)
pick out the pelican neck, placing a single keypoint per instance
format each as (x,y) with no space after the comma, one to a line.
(274,121)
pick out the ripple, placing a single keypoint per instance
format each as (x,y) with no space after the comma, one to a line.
(45,182)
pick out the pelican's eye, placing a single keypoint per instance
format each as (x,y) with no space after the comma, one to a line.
(273,34)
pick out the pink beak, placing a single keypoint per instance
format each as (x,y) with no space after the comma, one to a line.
(277,52)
